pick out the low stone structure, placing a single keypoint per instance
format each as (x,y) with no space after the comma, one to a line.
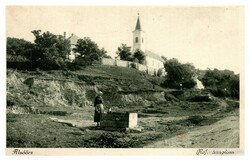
(119,120)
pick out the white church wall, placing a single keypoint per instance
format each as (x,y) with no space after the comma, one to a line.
(151,71)
(154,63)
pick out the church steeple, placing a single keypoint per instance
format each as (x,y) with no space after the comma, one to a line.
(138,37)
(138,24)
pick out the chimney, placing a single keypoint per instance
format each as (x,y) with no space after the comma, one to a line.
(64,35)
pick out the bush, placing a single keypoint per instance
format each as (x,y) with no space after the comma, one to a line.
(199,99)
(16,58)
(124,52)
(170,97)
(160,72)
(133,65)
(178,93)
(19,50)
(139,56)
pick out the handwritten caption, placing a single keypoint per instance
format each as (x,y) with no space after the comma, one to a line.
(214,152)
(22,152)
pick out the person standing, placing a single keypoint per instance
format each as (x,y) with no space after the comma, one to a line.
(99,108)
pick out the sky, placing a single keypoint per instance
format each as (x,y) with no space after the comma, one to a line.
(207,37)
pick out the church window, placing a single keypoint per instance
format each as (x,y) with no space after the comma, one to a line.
(136,39)
(142,40)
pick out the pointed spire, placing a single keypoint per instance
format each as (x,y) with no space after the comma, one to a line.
(138,24)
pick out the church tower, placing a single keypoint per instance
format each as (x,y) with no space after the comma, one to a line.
(138,37)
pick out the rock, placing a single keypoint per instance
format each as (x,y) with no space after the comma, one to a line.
(134,130)
(29,81)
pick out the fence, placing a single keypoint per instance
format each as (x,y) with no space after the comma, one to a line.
(122,63)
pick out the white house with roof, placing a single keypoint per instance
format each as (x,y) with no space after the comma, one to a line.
(151,59)
(73,41)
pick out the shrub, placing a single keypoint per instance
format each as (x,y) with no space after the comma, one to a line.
(140,56)
(199,99)
(124,52)
(133,65)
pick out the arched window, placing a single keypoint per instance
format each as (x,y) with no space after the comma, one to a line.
(136,39)
(142,40)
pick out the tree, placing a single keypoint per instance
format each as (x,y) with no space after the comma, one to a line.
(221,82)
(140,56)
(104,54)
(89,51)
(19,50)
(179,74)
(124,52)
(50,48)
(234,86)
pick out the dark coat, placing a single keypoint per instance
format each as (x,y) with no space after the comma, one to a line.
(99,109)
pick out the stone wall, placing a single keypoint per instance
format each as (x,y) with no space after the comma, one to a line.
(119,120)
(142,68)
(122,63)
(106,61)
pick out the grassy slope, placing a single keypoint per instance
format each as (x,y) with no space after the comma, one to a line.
(126,78)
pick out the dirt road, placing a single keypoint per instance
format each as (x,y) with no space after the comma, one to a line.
(222,134)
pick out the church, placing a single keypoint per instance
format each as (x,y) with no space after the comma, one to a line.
(152,60)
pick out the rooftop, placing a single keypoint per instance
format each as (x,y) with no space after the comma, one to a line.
(153,55)
(73,39)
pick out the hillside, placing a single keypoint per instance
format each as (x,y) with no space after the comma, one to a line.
(33,98)
(69,89)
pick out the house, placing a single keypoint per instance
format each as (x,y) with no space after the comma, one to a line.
(199,84)
(152,60)
(73,41)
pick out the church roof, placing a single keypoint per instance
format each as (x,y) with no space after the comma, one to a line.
(138,24)
(153,55)
(73,39)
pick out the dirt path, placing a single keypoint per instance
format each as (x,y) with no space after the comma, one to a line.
(222,134)
(74,123)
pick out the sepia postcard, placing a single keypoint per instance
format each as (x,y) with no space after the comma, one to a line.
(124,80)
